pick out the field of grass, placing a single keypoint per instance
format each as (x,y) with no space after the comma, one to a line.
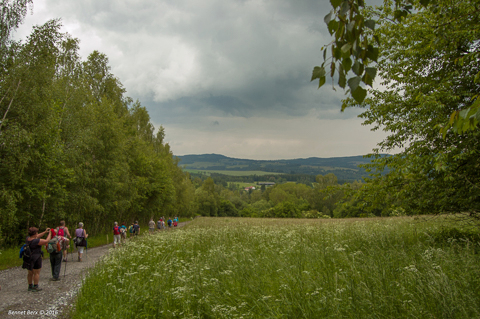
(272,268)
(231,173)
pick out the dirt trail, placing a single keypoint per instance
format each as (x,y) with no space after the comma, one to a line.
(56,296)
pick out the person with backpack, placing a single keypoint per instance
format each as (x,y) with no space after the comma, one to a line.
(55,251)
(123,233)
(175,222)
(136,229)
(169,222)
(81,240)
(131,229)
(159,224)
(151,226)
(116,235)
(63,233)
(32,257)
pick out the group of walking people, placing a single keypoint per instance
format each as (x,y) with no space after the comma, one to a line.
(120,233)
(57,244)
(161,224)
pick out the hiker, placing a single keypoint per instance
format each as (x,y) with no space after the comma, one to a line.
(131,229)
(136,228)
(175,222)
(34,263)
(63,233)
(81,242)
(151,226)
(116,235)
(169,222)
(123,233)
(55,258)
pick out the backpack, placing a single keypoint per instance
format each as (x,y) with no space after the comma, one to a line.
(25,252)
(116,230)
(130,229)
(60,232)
(53,246)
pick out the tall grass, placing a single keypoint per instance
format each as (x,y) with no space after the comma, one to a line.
(253,268)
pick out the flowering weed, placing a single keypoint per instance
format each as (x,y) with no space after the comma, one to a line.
(267,268)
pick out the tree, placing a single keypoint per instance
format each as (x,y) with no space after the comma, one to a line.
(356,47)
(72,145)
(429,66)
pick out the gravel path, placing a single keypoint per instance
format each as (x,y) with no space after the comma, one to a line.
(17,302)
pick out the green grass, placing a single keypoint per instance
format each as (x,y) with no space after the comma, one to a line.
(231,173)
(270,268)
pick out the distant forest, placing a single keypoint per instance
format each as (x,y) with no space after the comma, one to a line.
(302,170)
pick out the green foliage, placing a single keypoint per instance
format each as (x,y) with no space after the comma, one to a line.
(428,103)
(73,147)
(446,43)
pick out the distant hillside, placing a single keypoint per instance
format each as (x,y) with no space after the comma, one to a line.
(345,168)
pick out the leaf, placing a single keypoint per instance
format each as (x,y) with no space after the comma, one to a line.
(359,94)
(333,26)
(372,72)
(356,67)
(350,26)
(321,81)
(354,83)
(347,64)
(328,17)
(324,54)
(424,2)
(335,3)
(372,53)
(399,14)
(370,24)
(346,48)
(332,70)
(340,29)
(337,53)
(345,8)
(318,72)
(367,79)
(452,117)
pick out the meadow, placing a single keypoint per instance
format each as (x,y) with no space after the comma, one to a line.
(290,268)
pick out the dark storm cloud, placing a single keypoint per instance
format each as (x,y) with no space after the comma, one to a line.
(240,68)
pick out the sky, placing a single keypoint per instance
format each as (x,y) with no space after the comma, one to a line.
(230,77)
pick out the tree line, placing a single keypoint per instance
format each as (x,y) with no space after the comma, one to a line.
(73,146)
(324,198)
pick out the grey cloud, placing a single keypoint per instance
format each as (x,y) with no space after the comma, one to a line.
(213,65)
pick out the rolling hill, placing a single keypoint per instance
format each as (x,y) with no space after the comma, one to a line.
(345,168)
